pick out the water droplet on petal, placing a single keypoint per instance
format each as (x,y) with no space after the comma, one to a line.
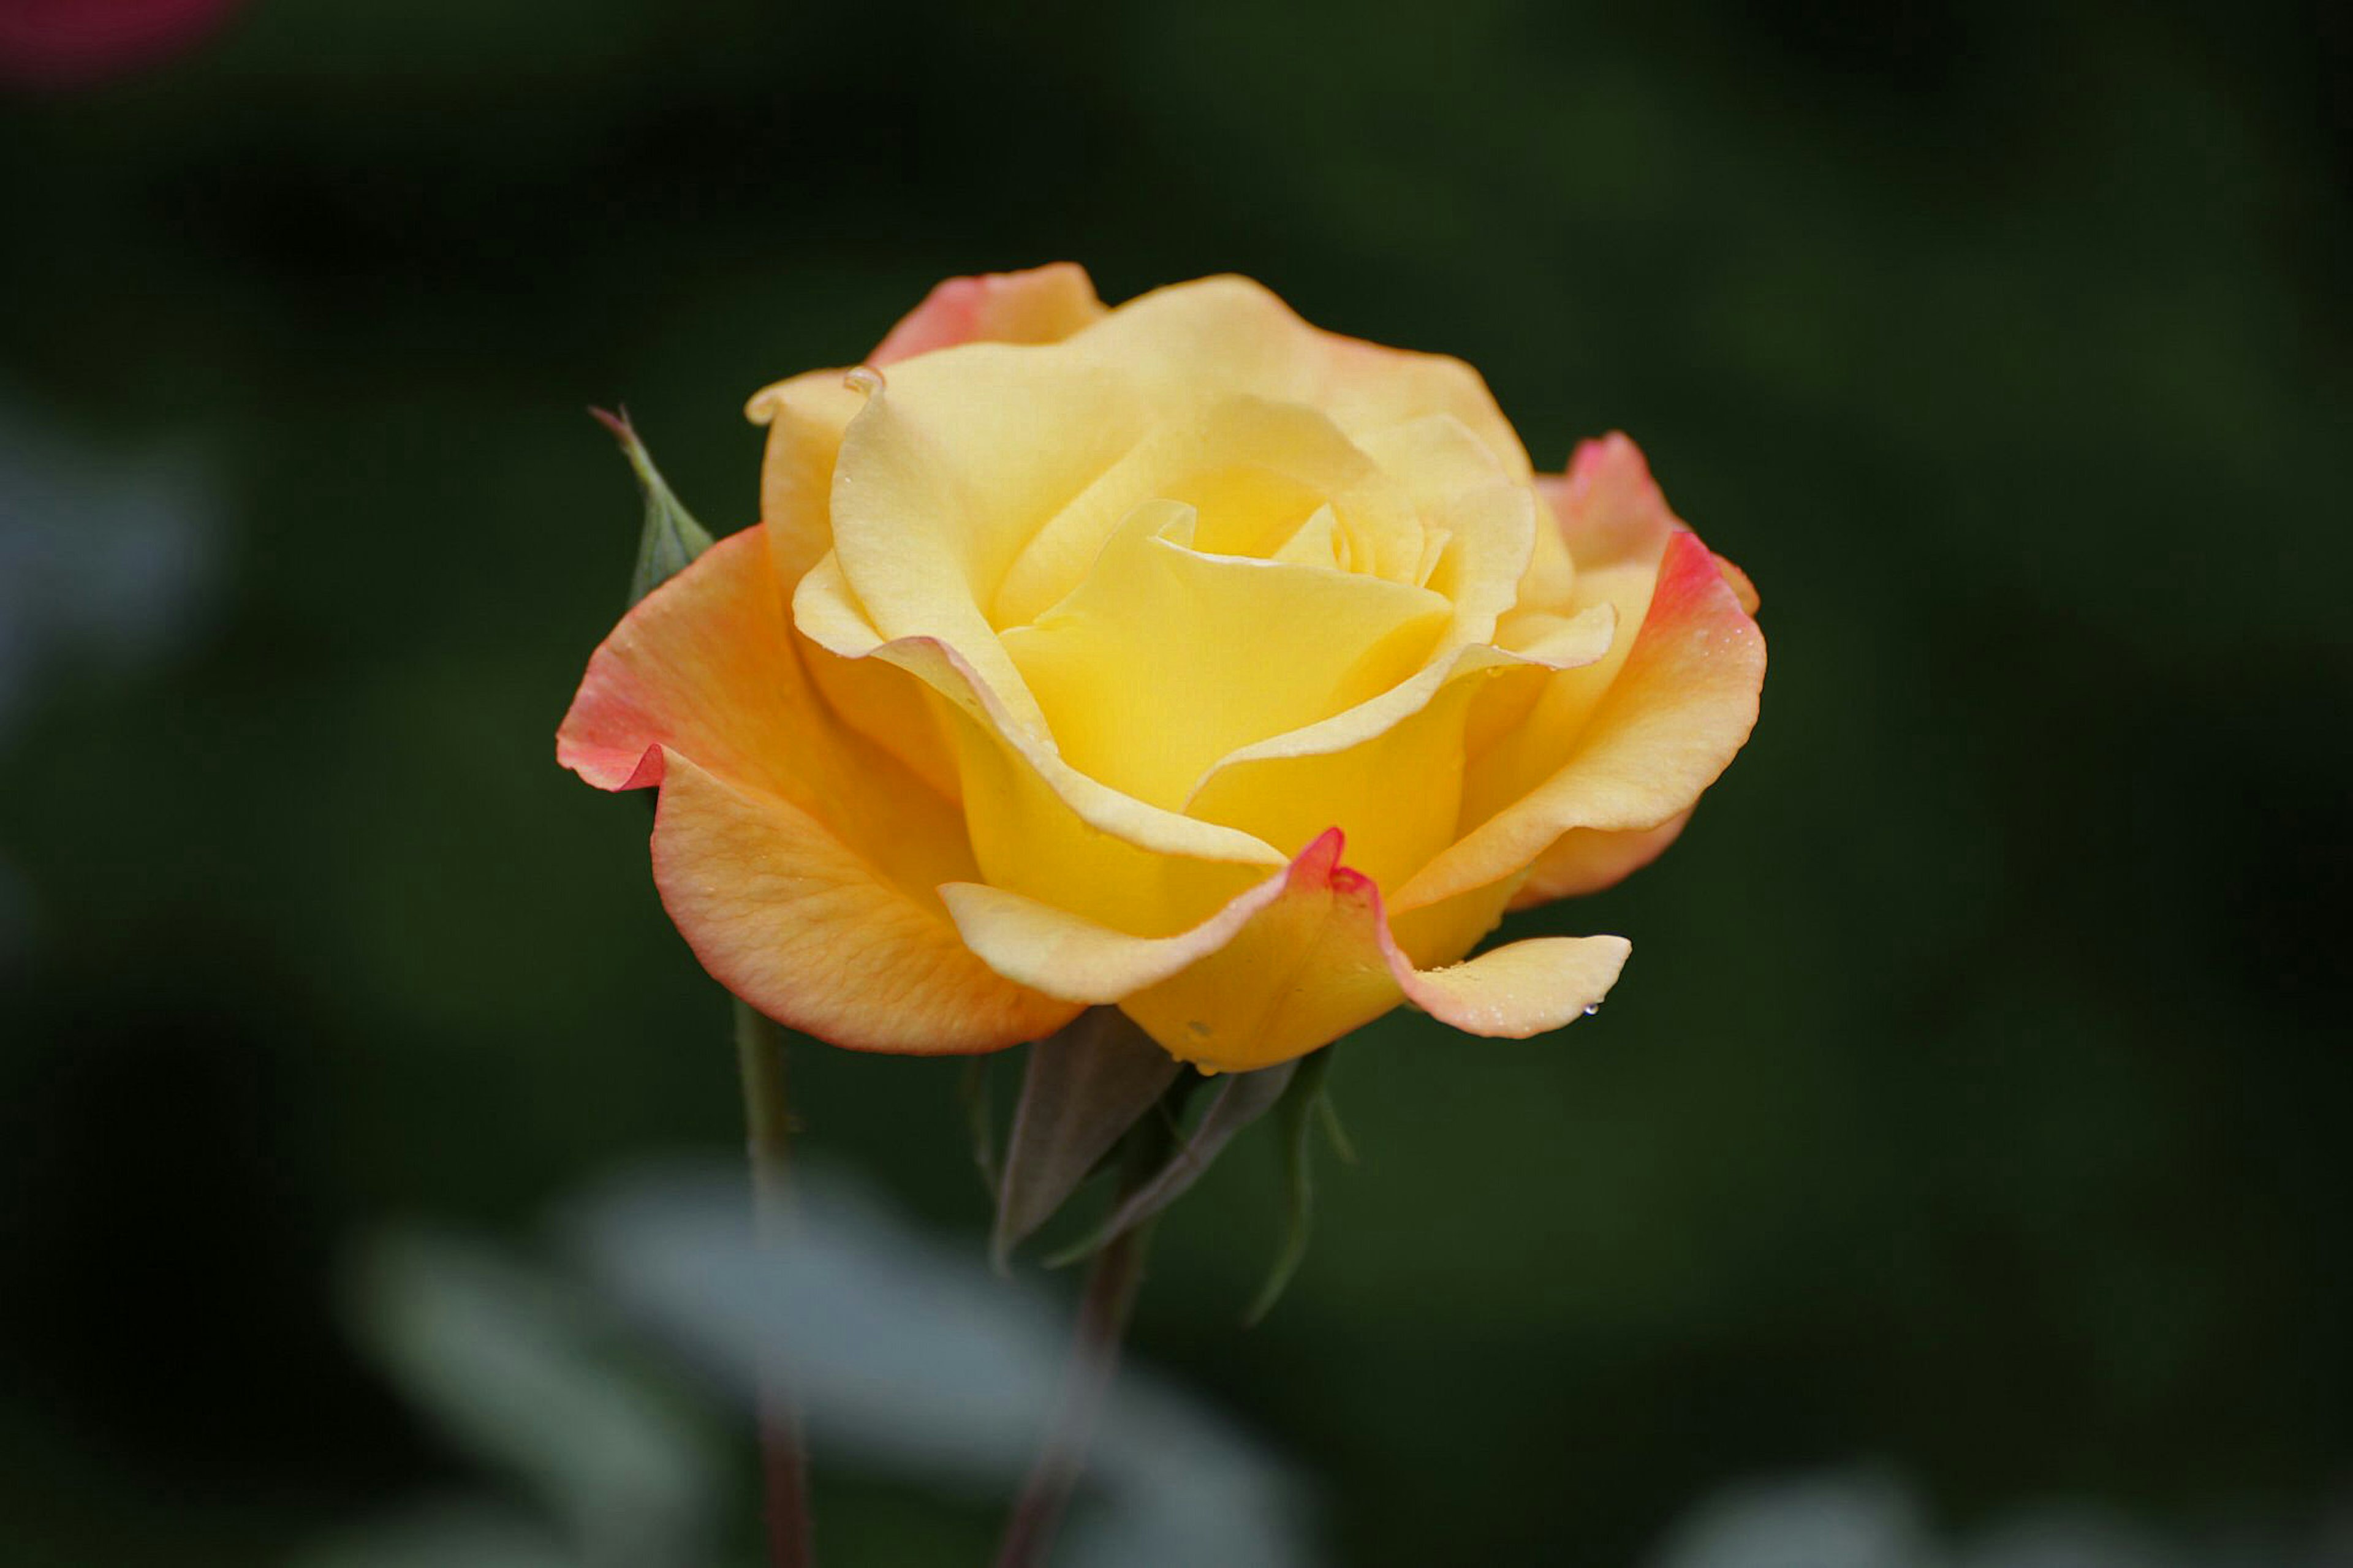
(1591,1008)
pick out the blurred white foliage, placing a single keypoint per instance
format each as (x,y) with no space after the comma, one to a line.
(526,1373)
(910,1358)
(107,558)
(456,1534)
(1867,1518)
(107,561)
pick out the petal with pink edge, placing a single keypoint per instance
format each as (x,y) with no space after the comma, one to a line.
(1285,968)
(1628,745)
(1042,305)
(799,859)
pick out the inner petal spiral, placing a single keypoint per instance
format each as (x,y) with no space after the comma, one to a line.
(1168,657)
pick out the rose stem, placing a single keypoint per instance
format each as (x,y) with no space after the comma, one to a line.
(768,1114)
(1107,1302)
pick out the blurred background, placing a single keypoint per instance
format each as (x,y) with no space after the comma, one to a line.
(1969,1134)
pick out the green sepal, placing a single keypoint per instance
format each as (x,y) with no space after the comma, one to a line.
(1239,1099)
(1084,1087)
(670,537)
(979,1104)
(1306,1103)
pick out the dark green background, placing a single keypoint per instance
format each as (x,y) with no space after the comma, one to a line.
(1977,1098)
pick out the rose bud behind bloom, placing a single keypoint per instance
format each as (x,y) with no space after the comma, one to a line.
(1181,658)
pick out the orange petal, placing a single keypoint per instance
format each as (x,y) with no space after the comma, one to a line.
(797,859)
(1043,305)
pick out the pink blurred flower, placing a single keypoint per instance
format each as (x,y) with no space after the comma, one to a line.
(79,43)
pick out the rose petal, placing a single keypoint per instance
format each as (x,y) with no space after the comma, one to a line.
(805,417)
(944,477)
(1346,769)
(1165,658)
(807,413)
(1042,305)
(798,860)
(1234,336)
(1639,740)
(786,916)
(1289,966)
(1256,471)
(1039,825)
(1588,860)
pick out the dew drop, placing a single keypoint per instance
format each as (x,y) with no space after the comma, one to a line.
(1591,1008)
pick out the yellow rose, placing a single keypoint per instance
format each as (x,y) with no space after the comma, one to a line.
(1179,656)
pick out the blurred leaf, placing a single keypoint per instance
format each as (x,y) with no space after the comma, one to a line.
(1085,1086)
(670,537)
(1240,1098)
(460,1534)
(1306,1102)
(528,1375)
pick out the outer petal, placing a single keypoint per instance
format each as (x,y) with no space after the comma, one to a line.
(1291,965)
(1668,720)
(1627,744)
(1588,860)
(1043,305)
(786,915)
(798,859)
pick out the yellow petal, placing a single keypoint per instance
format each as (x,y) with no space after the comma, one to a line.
(1588,860)
(944,477)
(1232,335)
(805,417)
(1348,769)
(1039,825)
(1255,472)
(1484,516)
(806,414)
(1165,658)
(1664,722)
(1289,966)
(799,860)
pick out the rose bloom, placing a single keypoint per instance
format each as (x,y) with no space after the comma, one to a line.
(1181,658)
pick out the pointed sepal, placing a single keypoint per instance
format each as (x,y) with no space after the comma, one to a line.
(670,537)
(1306,1103)
(1239,1099)
(1085,1086)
